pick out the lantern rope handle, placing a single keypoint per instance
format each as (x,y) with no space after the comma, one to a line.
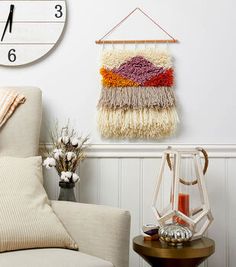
(206,164)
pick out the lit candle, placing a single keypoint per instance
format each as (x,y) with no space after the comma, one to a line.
(183,206)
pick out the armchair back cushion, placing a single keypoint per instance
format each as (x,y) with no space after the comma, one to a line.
(19,137)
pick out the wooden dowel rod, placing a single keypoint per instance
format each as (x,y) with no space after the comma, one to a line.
(134,41)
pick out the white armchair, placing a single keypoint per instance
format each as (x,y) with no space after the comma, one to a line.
(102,233)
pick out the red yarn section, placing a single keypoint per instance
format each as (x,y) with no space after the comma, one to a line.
(165,78)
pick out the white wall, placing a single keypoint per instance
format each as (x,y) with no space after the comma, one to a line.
(205,62)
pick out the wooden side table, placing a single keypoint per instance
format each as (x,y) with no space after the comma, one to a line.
(158,254)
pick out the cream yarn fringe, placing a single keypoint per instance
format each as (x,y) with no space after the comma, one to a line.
(141,123)
(114,58)
(137,97)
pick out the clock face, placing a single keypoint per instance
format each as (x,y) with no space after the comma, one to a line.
(29,29)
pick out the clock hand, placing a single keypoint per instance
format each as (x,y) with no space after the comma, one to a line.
(11,17)
(9,20)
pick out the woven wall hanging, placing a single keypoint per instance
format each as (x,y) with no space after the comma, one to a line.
(137,98)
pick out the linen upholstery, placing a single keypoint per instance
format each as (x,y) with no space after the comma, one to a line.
(50,258)
(100,231)
(19,137)
(26,218)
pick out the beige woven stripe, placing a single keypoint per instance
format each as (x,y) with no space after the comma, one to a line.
(9,101)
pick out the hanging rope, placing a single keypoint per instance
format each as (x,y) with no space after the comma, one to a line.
(101,40)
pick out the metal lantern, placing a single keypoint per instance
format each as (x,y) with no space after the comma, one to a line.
(180,196)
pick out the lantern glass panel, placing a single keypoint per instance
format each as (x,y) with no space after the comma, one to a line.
(165,192)
(190,202)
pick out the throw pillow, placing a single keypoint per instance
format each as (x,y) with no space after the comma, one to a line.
(26,217)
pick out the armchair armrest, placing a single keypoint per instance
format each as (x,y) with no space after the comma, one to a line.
(99,230)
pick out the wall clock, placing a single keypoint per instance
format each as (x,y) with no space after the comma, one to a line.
(29,29)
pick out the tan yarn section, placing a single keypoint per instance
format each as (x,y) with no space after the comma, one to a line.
(26,218)
(137,97)
(139,123)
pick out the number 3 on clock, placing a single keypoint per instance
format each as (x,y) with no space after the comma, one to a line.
(29,29)
(59,13)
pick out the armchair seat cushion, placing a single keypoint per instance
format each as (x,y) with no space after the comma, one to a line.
(49,258)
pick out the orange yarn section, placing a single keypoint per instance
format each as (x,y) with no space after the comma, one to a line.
(110,79)
(165,78)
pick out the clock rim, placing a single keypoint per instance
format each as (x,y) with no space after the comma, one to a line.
(51,50)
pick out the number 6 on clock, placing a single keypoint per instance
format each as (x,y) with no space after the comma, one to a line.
(12,55)
(29,29)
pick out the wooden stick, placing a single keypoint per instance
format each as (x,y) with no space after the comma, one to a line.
(134,41)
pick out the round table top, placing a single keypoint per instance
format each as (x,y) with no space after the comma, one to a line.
(199,248)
